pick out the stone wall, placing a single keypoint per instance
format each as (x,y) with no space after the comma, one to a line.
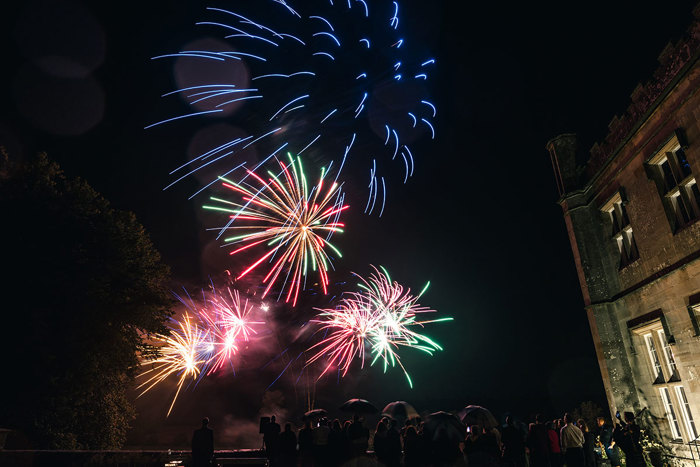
(667,272)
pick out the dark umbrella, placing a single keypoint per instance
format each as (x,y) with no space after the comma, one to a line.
(477,415)
(444,420)
(400,411)
(314,414)
(358,406)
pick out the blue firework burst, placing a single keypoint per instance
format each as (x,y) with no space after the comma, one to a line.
(334,79)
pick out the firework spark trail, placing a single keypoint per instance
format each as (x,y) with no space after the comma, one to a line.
(381,318)
(347,68)
(289,219)
(228,320)
(202,342)
(182,353)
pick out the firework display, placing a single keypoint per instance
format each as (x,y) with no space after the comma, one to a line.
(228,320)
(200,343)
(380,319)
(338,82)
(336,77)
(293,221)
(183,352)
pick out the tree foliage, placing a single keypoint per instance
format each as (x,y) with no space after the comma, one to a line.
(83,285)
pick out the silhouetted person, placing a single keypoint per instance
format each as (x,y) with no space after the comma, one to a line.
(306,445)
(627,435)
(588,444)
(444,448)
(336,444)
(320,436)
(393,441)
(424,443)
(202,445)
(359,436)
(513,442)
(412,448)
(481,447)
(347,451)
(571,439)
(555,457)
(288,446)
(538,443)
(381,445)
(271,437)
(607,442)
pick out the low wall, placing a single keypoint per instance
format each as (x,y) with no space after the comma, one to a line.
(31,458)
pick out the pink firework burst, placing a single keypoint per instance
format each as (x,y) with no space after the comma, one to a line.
(379,320)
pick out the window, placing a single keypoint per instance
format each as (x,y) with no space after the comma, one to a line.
(671,414)
(694,312)
(654,358)
(668,356)
(653,330)
(687,413)
(676,183)
(621,230)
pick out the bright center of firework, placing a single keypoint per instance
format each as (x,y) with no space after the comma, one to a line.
(189,363)
(265,307)
(230,340)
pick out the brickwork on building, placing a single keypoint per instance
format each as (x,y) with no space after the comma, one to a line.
(632,213)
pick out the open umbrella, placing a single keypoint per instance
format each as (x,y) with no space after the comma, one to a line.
(444,422)
(477,415)
(314,414)
(400,411)
(358,406)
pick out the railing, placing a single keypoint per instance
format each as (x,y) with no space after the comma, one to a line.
(127,458)
(694,454)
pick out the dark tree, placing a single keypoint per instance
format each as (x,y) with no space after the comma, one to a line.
(82,286)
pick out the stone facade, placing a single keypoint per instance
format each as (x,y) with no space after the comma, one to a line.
(632,212)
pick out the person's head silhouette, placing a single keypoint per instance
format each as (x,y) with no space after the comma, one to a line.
(205,422)
(272,419)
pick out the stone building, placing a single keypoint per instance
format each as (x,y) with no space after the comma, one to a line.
(632,212)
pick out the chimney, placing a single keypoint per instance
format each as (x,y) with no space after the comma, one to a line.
(562,151)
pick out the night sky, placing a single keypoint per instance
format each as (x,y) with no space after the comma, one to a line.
(479,219)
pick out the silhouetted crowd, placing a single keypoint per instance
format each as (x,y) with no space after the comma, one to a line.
(318,444)
(556,443)
(565,442)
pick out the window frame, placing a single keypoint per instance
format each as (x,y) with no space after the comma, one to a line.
(665,378)
(621,231)
(685,409)
(673,423)
(680,203)
(653,358)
